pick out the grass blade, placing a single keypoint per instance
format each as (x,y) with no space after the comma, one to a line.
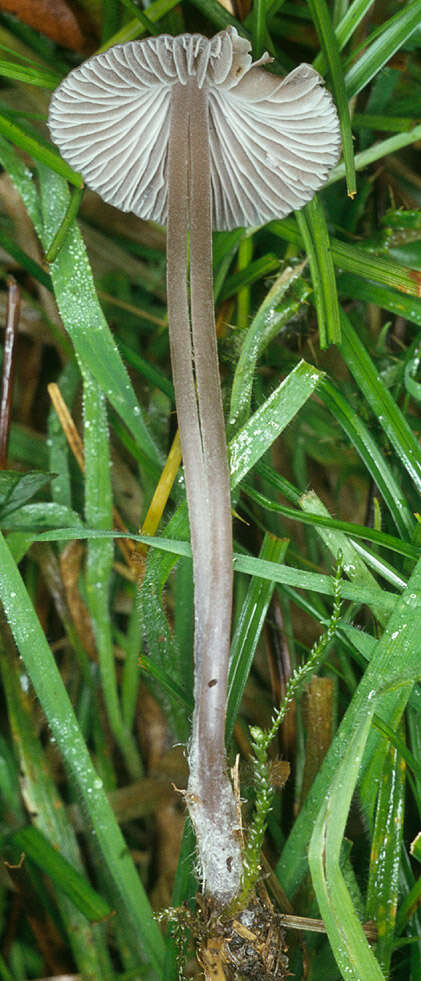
(345,29)
(381,402)
(98,510)
(330,48)
(386,845)
(39,850)
(356,260)
(38,151)
(393,35)
(394,662)
(82,314)
(356,288)
(266,321)
(377,151)
(323,520)
(316,237)
(50,819)
(58,710)
(252,441)
(44,78)
(248,630)
(348,941)
(371,455)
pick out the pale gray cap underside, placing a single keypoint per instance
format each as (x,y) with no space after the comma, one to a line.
(272,141)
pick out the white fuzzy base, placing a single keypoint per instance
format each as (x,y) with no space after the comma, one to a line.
(218,843)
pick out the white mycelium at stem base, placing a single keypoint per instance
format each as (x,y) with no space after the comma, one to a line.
(188,131)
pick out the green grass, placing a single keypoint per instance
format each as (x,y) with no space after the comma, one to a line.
(320,347)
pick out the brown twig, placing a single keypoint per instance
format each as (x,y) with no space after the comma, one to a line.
(309,923)
(67,425)
(289,919)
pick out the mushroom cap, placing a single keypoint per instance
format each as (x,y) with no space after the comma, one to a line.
(272,141)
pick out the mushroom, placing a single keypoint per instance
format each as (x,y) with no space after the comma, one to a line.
(189,132)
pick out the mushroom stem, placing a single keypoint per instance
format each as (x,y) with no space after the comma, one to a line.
(202,434)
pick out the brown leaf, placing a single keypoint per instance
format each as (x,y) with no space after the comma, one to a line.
(114,223)
(61,20)
(318,714)
(211,959)
(169,827)
(70,565)
(152,729)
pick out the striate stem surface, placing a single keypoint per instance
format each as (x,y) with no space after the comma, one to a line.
(202,434)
